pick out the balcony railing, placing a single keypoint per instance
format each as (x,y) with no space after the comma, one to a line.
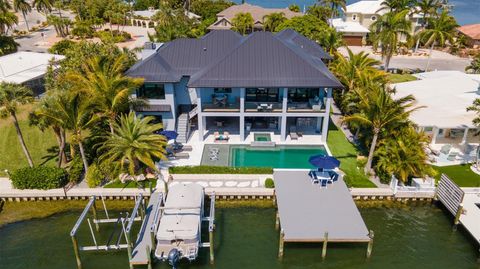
(219,107)
(305,107)
(263,107)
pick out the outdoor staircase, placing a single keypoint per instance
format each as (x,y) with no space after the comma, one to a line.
(183,128)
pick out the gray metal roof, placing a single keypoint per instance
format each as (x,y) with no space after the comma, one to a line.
(307,211)
(311,47)
(224,58)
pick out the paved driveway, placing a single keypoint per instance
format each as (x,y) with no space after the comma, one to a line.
(440,60)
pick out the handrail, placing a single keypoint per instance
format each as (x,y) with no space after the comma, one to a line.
(82,216)
(156,216)
(134,213)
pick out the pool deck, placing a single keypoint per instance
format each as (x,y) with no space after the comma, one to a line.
(198,146)
(308,211)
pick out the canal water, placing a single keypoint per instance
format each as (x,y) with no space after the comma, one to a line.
(407,237)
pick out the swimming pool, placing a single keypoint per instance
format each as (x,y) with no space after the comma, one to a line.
(276,157)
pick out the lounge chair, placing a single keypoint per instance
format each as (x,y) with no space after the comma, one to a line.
(293,133)
(181,155)
(452,156)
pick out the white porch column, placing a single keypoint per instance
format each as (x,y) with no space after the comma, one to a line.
(327,115)
(283,118)
(201,126)
(242,115)
(283,128)
(435,134)
(465,136)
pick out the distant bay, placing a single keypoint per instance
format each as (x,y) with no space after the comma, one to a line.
(465,11)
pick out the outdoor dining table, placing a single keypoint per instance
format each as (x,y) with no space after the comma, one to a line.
(322,175)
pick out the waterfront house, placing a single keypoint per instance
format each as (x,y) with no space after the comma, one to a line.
(27,68)
(144,18)
(445,96)
(224,81)
(471,33)
(225,17)
(359,16)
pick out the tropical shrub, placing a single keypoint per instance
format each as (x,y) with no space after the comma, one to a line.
(205,169)
(269,183)
(94,176)
(7,45)
(40,177)
(114,36)
(75,170)
(62,46)
(83,29)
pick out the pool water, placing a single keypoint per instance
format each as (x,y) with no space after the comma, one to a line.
(277,157)
(408,237)
(262,137)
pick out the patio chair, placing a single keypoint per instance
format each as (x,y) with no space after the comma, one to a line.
(226,135)
(452,156)
(324,183)
(216,135)
(446,149)
(182,155)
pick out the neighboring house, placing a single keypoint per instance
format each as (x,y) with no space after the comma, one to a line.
(224,18)
(445,96)
(472,33)
(224,81)
(27,68)
(143,18)
(359,16)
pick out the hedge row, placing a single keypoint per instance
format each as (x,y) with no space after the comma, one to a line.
(40,177)
(205,169)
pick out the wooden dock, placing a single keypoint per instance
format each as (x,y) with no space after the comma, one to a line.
(465,206)
(141,254)
(310,213)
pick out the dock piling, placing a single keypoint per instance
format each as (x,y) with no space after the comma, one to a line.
(370,244)
(280,245)
(77,252)
(458,215)
(324,248)
(277,221)
(149,257)
(210,238)
(95,217)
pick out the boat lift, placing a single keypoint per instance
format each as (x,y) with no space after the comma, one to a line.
(122,228)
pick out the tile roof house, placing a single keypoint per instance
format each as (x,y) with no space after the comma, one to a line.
(224,18)
(272,82)
(472,32)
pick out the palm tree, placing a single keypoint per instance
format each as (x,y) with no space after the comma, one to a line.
(273,20)
(73,112)
(24,7)
(44,6)
(334,5)
(11,96)
(379,110)
(103,79)
(387,30)
(47,114)
(243,22)
(320,12)
(7,20)
(397,5)
(134,142)
(332,41)
(428,8)
(474,66)
(404,156)
(348,69)
(5,5)
(439,31)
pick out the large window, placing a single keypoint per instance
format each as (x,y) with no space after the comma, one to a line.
(301,94)
(262,95)
(222,90)
(151,91)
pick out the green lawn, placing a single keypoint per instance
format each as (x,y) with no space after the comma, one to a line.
(461,174)
(398,78)
(343,150)
(40,144)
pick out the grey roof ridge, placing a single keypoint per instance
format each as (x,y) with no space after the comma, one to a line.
(163,62)
(308,59)
(207,68)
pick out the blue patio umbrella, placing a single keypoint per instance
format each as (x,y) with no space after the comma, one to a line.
(324,161)
(169,134)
